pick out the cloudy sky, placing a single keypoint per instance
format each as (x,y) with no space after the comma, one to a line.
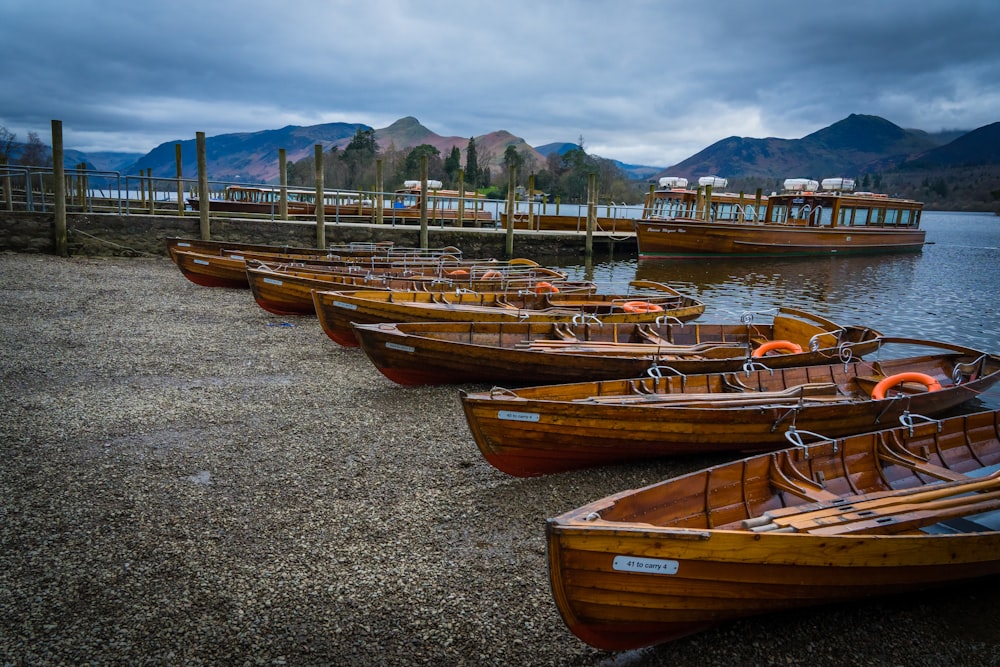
(642,81)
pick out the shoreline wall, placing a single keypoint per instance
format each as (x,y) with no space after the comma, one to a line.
(109,234)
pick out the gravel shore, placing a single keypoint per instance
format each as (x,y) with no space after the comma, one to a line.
(189,480)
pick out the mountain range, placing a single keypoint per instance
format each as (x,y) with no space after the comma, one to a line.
(856,145)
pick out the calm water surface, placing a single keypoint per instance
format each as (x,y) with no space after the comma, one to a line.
(949,291)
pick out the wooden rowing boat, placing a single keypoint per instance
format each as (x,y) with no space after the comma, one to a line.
(519,353)
(229,268)
(287,290)
(349,249)
(553,428)
(892,511)
(337,311)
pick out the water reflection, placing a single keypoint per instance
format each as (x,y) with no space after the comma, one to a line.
(947,292)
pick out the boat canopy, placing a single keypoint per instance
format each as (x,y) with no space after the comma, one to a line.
(714,181)
(801,185)
(673,182)
(840,184)
(431,185)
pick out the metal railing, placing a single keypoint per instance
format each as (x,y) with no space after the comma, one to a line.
(30,188)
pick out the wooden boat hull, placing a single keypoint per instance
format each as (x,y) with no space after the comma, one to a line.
(338,311)
(519,353)
(212,270)
(647,566)
(555,428)
(693,238)
(289,292)
(567,223)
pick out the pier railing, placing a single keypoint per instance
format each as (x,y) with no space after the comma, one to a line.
(30,188)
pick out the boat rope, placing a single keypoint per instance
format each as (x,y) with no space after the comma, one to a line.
(133,251)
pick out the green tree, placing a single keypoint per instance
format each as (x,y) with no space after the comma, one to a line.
(452,164)
(358,160)
(511,158)
(435,166)
(472,175)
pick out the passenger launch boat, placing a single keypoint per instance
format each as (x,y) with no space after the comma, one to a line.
(808,218)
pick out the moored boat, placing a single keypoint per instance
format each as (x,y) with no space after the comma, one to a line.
(808,218)
(338,311)
(219,247)
(554,428)
(228,268)
(284,290)
(518,353)
(887,512)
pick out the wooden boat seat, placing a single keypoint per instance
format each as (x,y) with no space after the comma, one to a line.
(889,451)
(787,479)
(644,332)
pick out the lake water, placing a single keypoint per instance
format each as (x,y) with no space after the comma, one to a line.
(949,292)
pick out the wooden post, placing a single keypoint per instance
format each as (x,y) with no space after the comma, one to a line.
(708,202)
(647,208)
(180,179)
(203,195)
(461,199)
(423,202)
(591,215)
(509,243)
(149,184)
(379,187)
(59,175)
(81,185)
(283,181)
(756,205)
(531,203)
(8,193)
(320,210)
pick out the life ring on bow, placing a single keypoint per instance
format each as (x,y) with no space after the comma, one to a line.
(491,274)
(458,272)
(878,393)
(641,307)
(772,345)
(545,288)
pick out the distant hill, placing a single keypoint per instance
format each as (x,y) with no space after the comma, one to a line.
(561,148)
(634,171)
(979,147)
(102,161)
(848,147)
(246,156)
(253,156)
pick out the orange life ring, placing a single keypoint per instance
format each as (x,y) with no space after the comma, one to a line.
(489,275)
(545,288)
(770,345)
(878,393)
(458,272)
(641,307)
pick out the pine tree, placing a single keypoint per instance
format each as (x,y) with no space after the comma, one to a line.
(472,174)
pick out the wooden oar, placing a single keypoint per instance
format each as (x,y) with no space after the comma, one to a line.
(791,516)
(918,517)
(819,391)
